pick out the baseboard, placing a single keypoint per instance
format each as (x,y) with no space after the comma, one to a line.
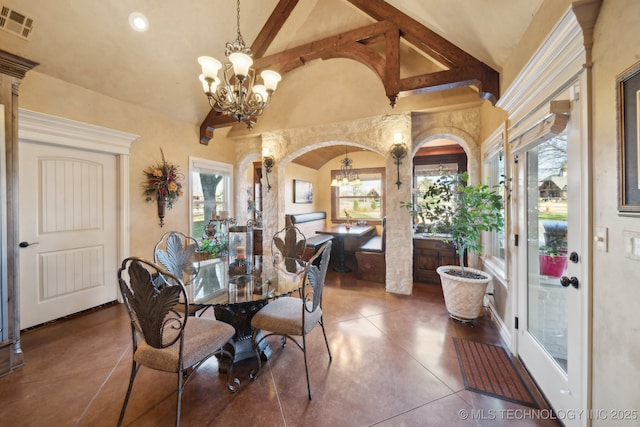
(505,332)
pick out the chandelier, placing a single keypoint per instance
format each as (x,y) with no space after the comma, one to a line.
(346,175)
(237,96)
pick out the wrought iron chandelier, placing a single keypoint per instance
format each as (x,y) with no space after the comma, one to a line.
(346,176)
(237,97)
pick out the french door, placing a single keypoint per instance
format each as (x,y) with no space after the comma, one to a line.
(553,279)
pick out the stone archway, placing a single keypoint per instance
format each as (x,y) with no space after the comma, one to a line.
(375,134)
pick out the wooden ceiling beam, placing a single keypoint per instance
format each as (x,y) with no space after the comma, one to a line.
(422,37)
(318,49)
(271,28)
(460,68)
(432,44)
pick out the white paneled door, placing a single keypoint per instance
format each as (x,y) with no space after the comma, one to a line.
(68,231)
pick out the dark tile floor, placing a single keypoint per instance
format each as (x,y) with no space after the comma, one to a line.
(394,364)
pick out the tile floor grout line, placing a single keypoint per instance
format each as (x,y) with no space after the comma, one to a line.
(412,356)
(126,350)
(273,380)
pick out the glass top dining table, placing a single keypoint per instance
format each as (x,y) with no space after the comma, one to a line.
(262,277)
(236,291)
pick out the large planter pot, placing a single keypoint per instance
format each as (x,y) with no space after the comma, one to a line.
(463,296)
(552,265)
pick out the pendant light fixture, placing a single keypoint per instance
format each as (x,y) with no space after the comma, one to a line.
(237,96)
(346,175)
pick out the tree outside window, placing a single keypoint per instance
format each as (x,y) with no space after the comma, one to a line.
(210,193)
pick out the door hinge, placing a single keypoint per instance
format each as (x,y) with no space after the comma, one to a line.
(515,323)
(515,240)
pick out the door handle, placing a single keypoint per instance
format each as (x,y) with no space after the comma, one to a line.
(26,244)
(566,281)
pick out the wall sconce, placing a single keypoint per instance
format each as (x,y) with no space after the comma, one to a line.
(267,162)
(398,152)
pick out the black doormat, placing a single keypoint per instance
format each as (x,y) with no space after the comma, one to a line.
(487,369)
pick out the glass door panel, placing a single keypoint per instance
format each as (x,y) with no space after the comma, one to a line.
(547,225)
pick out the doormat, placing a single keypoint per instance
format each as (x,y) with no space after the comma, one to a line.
(487,369)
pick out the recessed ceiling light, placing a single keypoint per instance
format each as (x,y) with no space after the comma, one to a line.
(138,22)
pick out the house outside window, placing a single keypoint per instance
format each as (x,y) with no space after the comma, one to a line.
(210,184)
(363,201)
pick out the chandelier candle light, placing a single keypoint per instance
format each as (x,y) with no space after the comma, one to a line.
(237,97)
(346,175)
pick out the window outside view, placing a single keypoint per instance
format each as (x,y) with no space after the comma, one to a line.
(362,201)
(208,196)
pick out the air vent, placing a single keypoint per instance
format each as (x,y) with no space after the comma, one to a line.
(15,23)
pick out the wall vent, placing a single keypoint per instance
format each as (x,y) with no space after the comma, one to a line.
(15,23)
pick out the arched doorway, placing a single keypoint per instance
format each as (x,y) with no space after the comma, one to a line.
(433,159)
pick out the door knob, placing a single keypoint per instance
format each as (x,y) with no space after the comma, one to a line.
(566,281)
(26,244)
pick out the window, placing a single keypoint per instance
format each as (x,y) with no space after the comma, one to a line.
(211,184)
(364,201)
(424,176)
(495,167)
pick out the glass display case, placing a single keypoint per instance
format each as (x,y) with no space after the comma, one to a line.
(241,263)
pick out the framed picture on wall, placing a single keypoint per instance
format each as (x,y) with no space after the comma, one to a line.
(302,191)
(628,86)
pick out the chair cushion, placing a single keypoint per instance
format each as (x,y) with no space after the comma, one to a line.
(284,316)
(374,244)
(202,338)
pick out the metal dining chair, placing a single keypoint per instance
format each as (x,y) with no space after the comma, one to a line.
(175,251)
(291,316)
(289,243)
(163,337)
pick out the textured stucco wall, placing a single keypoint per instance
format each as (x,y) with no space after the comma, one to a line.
(616,278)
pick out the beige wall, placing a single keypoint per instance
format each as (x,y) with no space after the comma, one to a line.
(178,140)
(546,18)
(616,279)
(295,171)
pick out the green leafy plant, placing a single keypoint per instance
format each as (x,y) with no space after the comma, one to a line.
(433,208)
(472,210)
(212,248)
(555,240)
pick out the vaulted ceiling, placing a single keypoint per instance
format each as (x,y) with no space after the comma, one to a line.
(393,42)
(437,42)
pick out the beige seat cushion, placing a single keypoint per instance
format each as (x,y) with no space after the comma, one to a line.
(284,316)
(202,337)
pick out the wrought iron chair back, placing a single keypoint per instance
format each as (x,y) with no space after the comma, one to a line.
(157,301)
(289,317)
(176,251)
(289,243)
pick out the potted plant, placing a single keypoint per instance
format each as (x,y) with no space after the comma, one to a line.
(553,254)
(466,211)
(210,248)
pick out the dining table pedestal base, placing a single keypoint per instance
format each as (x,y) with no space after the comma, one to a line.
(240,347)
